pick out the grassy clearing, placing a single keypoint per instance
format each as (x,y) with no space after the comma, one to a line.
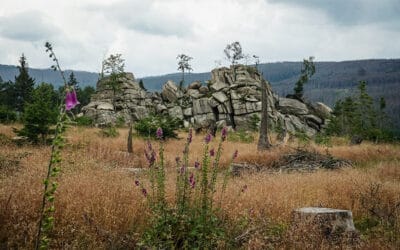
(98,206)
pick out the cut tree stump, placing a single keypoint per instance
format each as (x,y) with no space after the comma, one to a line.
(319,225)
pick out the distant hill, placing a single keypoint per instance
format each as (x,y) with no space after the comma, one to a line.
(333,80)
(8,73)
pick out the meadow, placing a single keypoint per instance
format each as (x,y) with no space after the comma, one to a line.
(98,205)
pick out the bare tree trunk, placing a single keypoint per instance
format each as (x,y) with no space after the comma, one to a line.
(130,144)
(263,141)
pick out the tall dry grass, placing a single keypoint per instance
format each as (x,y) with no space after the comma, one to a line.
(98,206)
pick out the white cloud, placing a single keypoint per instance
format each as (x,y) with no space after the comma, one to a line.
(151,33)
(30,26)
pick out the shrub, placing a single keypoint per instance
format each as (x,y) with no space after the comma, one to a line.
(83,121)
(254,122)
(109,131)
(40,114)
(148,126)
(192,220)
(241,136)
(7,115)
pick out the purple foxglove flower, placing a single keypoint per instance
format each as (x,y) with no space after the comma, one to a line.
(150,154)
(159,133)
(144,192)
(235,154)
(224,133)
(137,183)
(207,139)
(212,152)
(182,169)
(196,165)
(190,136)
(192,181)
(70,99)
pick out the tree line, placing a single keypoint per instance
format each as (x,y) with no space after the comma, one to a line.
(35,105)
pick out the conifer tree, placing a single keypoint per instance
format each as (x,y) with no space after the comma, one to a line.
(307,71)
(24,85)
(40,114)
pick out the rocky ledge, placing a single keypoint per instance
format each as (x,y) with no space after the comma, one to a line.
(225,100)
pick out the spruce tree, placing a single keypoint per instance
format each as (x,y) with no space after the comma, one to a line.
(24,85)
(307,71)
(40,114)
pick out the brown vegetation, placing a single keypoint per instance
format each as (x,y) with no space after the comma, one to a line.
(99,207)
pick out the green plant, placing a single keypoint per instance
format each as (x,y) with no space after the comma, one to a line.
(40,114)
(47,210)
(109,131)
(120,121)
(83,121)
(148,126)
(7,115)
(192,220)
(241,136)
(307,71)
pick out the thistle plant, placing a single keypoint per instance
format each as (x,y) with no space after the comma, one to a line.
(191,221)
(47,210)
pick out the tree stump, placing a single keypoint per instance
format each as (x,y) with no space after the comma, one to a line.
(320,226)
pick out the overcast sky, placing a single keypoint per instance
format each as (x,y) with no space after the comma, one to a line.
(151,33)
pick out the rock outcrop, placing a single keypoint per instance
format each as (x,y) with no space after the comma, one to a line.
(228,98)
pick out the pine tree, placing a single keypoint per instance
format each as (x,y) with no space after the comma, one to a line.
(24,85)
(72,80)
(307,71)
(40,114)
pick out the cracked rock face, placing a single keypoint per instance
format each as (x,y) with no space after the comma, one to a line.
(225,99)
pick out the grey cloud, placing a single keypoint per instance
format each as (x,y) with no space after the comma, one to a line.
(28,26)
(143,16)
(353,12)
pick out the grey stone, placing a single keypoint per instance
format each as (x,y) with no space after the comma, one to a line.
(292,106)
(313,118)
(201,106)
(105,106)
(203,90)
(194,93)
(176,112)
(217,86)
(194,85)
(170,92)
(322,110)
(220,97)
(160,108)
(188,112)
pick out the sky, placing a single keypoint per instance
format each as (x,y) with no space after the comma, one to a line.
(151,33)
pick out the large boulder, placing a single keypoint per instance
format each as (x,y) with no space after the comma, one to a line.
(170,92)
(194,85)
(176,112)
(220,97)
(292,107)
(321,110)
(201,106)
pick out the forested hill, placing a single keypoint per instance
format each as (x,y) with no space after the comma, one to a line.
(333,80)
(8,73)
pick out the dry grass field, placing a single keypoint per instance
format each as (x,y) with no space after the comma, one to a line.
(99,207)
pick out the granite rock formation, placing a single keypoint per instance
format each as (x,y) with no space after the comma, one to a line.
(227,99)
